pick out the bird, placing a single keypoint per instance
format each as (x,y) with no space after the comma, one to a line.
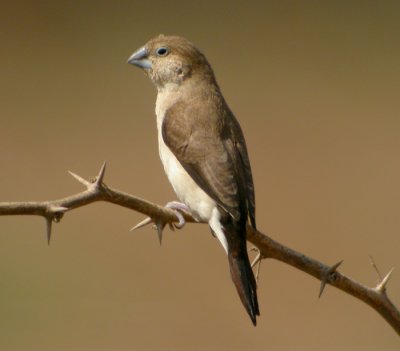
(203,151)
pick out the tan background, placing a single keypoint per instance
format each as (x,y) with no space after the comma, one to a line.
(316,88)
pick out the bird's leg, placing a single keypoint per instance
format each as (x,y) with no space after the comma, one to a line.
(178,208)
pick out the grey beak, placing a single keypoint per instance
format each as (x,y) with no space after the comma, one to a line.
(140,59)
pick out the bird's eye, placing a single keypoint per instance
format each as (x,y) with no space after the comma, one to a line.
(162,51)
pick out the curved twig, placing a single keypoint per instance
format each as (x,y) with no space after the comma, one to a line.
(96,190)
(375,297)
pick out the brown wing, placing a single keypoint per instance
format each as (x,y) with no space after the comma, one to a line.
(205,143)
(239,150)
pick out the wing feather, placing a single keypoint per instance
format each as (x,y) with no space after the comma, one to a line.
(211,149)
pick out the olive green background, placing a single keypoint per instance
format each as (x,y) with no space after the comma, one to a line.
(315,85)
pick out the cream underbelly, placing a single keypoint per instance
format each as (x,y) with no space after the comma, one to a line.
(203,207)
(185,188)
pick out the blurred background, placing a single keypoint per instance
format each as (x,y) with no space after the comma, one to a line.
(315,86)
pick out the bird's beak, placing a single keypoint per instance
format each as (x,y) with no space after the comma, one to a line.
(140,59)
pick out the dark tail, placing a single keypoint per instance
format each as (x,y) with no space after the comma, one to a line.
(243,278)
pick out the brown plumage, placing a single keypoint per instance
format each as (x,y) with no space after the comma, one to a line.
(203,150)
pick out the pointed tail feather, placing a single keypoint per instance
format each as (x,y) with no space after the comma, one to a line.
(246,286)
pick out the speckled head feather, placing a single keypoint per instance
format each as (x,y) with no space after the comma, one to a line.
(173,59)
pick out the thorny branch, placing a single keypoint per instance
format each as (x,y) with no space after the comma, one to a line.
(53,211)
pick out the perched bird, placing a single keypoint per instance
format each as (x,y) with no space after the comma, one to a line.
(203,151)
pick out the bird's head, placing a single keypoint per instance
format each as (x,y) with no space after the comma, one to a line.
(171,60)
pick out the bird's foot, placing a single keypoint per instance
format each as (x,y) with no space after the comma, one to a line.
(160,224)
(178,208)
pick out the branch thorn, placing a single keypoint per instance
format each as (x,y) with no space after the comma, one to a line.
(49,222)
(327,276)
(382,285)
(141,224)
(160,226)
(257,261)
(100,177)
(375,267)
(80,179)
(258,257)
